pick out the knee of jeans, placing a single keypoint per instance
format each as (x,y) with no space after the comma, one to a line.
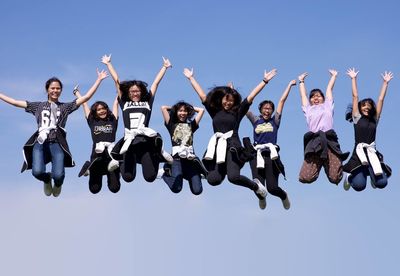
(37,172)
(197,191)
(381,183)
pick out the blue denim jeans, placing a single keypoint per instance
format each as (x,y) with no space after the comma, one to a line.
(183,169)
(358,178)
(54,153)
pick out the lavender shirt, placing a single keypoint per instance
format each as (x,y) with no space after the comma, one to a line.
(319,117)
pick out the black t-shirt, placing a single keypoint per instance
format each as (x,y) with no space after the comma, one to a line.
(41,110)
(364,129)
(224,121)
(136,114)
(182,133)
(103,130)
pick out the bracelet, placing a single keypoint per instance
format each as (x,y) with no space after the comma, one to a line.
(265,81)
(302,81)
(74,91)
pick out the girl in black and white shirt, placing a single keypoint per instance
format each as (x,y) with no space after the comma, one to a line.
(140,143)
(49,144)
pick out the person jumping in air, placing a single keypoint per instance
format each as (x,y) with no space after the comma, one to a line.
(321,146)
(48,143)
(103,126)
(366,160)
(186,165)
(267,166)
(225,154)
(140,143)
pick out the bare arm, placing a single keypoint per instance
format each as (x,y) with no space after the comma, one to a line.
(115,107)
(352,73)
(107,61)
(331,83)
(101,75)
(86,109)
(196,86)
(284,96)
(302,88)
(200,113)
(166,64)
(267,77)
(387,76)
(252,118)
(9,100)
(165,112)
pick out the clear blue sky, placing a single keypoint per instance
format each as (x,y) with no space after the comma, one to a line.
(147,230)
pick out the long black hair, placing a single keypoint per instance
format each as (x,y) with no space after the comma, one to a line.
(93,111)
(214,98)
(173,113)
(371,114)
(125,85)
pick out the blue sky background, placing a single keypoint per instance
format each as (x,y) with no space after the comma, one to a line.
(147,230)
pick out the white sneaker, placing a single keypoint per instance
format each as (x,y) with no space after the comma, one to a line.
(286,203)
(262,191)
(48,188)
(346,183)
(262,203)
(113,165)
(56,191)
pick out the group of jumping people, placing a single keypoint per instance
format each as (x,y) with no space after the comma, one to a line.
(225,155)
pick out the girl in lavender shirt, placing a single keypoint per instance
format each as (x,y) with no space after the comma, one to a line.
(321,147)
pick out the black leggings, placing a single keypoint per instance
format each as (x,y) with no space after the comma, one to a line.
(139,152)
(269,175)
(97,170)
(231,167)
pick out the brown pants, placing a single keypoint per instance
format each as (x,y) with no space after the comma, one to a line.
(312,166)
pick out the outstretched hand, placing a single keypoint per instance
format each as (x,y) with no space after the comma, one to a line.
(101,75)
(269,75)
(292,83)
(387,76)
(333,72)
(188,72)
(302,76)
(166,62)
(106,59)
(352,73)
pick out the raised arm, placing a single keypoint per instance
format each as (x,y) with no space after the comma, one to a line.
(9,100)
(165,112)
(267,77)
(196,86)
(331,83)
(352,73)
(284,96)
(86,109)
(252,118)
(200,113)
(387,76)
(101,75)
(166,64)
(107,61)
(115,107)
(302,89)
